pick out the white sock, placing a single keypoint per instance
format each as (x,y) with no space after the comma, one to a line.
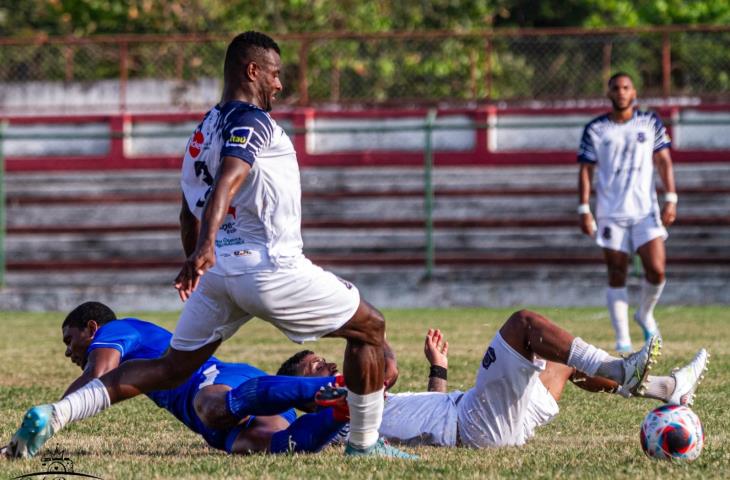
(366,413)
(618,310)
(593,361)
(85,402)
(649,297)
(660,388)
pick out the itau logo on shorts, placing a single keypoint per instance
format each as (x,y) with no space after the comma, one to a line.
(196,143)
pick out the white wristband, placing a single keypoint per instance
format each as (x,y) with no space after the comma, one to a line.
(670,197)
(584,208)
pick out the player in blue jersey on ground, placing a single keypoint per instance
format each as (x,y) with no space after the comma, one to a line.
(623,147)
(98,343)
(241,231)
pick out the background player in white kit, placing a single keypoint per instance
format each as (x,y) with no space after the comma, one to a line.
(623,146)
(519,381)
(240,219)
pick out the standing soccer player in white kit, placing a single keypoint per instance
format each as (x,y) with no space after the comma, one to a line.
(240,226)
(623,146)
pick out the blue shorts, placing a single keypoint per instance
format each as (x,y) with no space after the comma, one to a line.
(232,375)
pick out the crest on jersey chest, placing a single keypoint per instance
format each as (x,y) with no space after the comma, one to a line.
(641,137)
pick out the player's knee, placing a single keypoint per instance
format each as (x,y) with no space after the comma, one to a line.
(655,276)
(374,327)
(210,412)
(518,323)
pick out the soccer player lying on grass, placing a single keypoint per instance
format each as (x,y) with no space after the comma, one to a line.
(518,384)
(234,406)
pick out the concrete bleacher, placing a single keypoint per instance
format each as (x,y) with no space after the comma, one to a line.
(503,236)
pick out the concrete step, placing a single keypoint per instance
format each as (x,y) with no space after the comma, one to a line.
(347,179)
(397,287)
(344,209)
(535,242)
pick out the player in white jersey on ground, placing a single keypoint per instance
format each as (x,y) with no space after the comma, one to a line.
(240,223)
(521,377)
(622,147)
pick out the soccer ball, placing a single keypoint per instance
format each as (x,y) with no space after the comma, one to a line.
(672,432)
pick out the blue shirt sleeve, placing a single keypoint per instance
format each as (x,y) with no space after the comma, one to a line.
(245,132)
(587,151)
(117,334)
(661,137)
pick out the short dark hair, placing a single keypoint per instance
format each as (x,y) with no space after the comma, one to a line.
(618,75)
(289,367)
(80,316)
(243,49)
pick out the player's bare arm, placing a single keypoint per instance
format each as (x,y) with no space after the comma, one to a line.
(663,162)
(189,228)
(585,179)
(232,173)
(99,362)
(436,349)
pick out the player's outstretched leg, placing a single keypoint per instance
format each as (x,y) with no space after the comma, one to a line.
(130,379)
(271,395)
(364,373)
(530,333)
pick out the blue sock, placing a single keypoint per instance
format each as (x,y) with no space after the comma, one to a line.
(309,433)
(271,395)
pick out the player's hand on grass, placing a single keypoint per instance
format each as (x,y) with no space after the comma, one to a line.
(436,348)
(201,260)
(588,224)
(669,213)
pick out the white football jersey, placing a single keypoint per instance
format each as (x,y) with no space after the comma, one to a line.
(624,157)
(262,230)
(426,418)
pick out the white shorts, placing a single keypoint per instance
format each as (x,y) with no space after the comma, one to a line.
(304,302)
(508,402)
(629,234)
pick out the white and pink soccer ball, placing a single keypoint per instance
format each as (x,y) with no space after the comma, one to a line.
(672,432)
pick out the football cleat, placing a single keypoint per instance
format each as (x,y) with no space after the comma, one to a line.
(381,448)
(33,433)
(335,398)
(688,378)
(638,364)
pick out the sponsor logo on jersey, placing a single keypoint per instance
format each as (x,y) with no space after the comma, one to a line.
(196,143)
(239,137)
(489,358)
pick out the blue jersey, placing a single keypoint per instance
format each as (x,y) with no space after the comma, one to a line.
(136,339)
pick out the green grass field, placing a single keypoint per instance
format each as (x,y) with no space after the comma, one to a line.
(595,435)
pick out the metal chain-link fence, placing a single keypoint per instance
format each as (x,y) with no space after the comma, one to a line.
(390,68)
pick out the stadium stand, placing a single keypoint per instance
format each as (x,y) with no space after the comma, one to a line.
(499,231)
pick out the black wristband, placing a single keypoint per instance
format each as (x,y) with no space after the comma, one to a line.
(438,372)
